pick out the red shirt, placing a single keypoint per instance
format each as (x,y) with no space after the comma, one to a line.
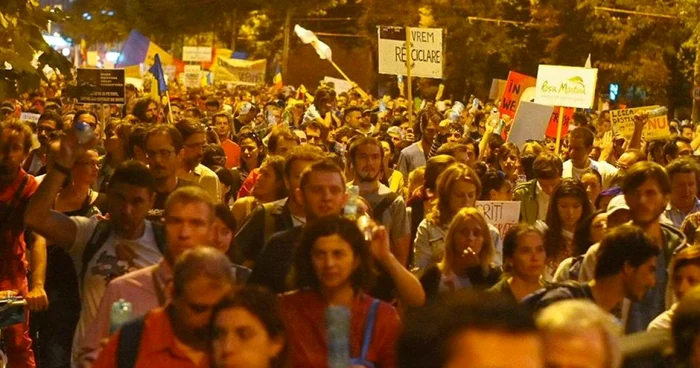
(303,313)
(13,249)
(233,153)
(249,184)
(158,347)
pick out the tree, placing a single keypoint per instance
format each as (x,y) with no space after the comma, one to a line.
(21,24)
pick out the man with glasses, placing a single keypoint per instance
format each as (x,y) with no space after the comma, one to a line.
(313,132)
(163,144)
(49,122)
(191,169)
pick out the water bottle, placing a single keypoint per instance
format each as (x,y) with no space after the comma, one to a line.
(658,112)
(338,336)
(84,132)
(351,208)
(121,314)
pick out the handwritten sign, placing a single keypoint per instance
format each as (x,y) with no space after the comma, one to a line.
(426,51)
(501,214)
(516,86)
(566,86)
(554,121)
(623,123)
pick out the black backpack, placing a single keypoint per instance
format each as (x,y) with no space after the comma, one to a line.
(378,210)
(578,291)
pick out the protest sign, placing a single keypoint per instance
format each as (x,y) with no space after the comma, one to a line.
(498,87)
(501,214)
(622,122)
(566,86)
(554,121)
(530,122)
(192,68)
(101,86)
(196,54)
(426,51)
(340,85)
(515,89)
(192,79)
(28,116)
(235,71)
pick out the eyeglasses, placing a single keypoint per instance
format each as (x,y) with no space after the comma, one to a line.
(162,153)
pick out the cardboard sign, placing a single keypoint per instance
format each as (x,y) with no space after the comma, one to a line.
(197,54)
(192,79)
(498,87)
(566,86)
(501,214)
(426,51)
(554,121)
(235,71)
(28,116)
(516,88)
(622,122)
(340,85)
(530,122)
(101,86)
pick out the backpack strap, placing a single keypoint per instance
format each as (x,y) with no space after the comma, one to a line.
(99,237)
(382,206)
(129,342)
(367,338)
(159,235)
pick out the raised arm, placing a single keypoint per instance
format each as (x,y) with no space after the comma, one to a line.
(409,289)
(37,298)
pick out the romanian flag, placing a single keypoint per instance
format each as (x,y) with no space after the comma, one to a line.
(137,50)
(277,79)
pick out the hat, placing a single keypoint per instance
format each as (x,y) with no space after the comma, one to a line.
(616,204)
(395,130)
(7,107)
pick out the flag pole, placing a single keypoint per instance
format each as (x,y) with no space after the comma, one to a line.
(170,108)
(408,75)
(559,128)
(363,93)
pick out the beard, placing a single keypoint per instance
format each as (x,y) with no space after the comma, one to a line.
(365,177)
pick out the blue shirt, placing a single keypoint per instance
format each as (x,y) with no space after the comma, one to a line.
(677,216)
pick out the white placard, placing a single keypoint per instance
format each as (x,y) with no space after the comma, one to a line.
(501,214)
(192,79)
(566,86)
(531,121)
(28,116)
(340,85)
(193,68)
(426,51)
(235,71)
(198,54)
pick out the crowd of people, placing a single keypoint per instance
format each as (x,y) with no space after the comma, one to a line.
(229,222)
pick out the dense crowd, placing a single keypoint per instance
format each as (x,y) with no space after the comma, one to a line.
(225,226)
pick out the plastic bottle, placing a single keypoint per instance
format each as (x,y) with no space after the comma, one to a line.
(352,212)
(121,314)
(658,112)
(84,132)
(338,336)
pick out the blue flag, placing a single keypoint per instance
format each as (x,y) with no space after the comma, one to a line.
(157,71)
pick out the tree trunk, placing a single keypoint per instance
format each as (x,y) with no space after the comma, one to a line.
(695,117)
(287,31)
(234,30)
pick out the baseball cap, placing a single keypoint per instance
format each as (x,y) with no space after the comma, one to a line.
(7,107)
(616,204)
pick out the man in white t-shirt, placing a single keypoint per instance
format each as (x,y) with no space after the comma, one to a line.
(580,147)
(101,253)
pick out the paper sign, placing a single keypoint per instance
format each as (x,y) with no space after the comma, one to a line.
(198,54)
(566,86)
(622,122)
(192,79)
(501,214)
(515,89)
(426,51)
(498,87)
(554,121)
(192,68)
(101,86)
(28,116)
(340,85)
(235,71)
(531,121)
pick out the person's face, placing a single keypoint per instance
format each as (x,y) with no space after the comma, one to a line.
(86,168)
(267,182)
(687,133)
(548,185)
(222,126)
(584,348)
(151,112)
(625,161)
(598,227)
(354,119)
(177,112)
(302,136)
(387,154)
(368,162)
(504,193)
(187,225)
(194,306)
(494,349)
(593,187)
(454,136)
(396,139)
(463,195)
(333,261)
(12,153)
(430,130)
(241,341)
(194,149)
(468,242)
(684,188)
(578,152)
(44,129)
(618,218)
(684,149)
(638,280)
(211,109)
(163,160)
(569,210)
(323,195)
(647,202)
(685,278)
(313,136)
(294,179)
(285,145)
(510,163)
(529,256)
(249,149)
(221,235)
(128,205)
(604,125)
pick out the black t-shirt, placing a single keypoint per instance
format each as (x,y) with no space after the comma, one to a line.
(155,214)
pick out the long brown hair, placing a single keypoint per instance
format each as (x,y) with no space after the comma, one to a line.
(554,241)
(441,214)
(487,249)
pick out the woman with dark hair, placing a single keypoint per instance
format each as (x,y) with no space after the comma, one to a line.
(228,183)
(567,207)
(270,187)
(495,187)
(333,267)
(323,109)
(523,262)
(390,177)
(223,229)
(252,153)
(589,231)
(508,161)
(247,331)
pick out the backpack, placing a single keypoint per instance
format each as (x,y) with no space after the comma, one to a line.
(99,237)
(129,342)
(367,338)
(378,210)
(578,291)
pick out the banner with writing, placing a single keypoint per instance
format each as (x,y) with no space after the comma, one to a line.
(566,86)
(501,214)
(554,121)
(235,71)
(426,51)
(518,87)
(622,122)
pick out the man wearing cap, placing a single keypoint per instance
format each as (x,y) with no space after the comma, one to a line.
(245,116)
(7,110)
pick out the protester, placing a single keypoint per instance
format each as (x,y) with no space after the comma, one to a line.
(48,124)
(415,155)
(685,274)
(534,195)
(685,329)
(270,187)
(580,146)
(222,126)
(496,187)
(191,168)
(684,174)
(588,232)
(252,153)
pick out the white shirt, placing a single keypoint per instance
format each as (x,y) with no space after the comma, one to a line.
(607,171)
